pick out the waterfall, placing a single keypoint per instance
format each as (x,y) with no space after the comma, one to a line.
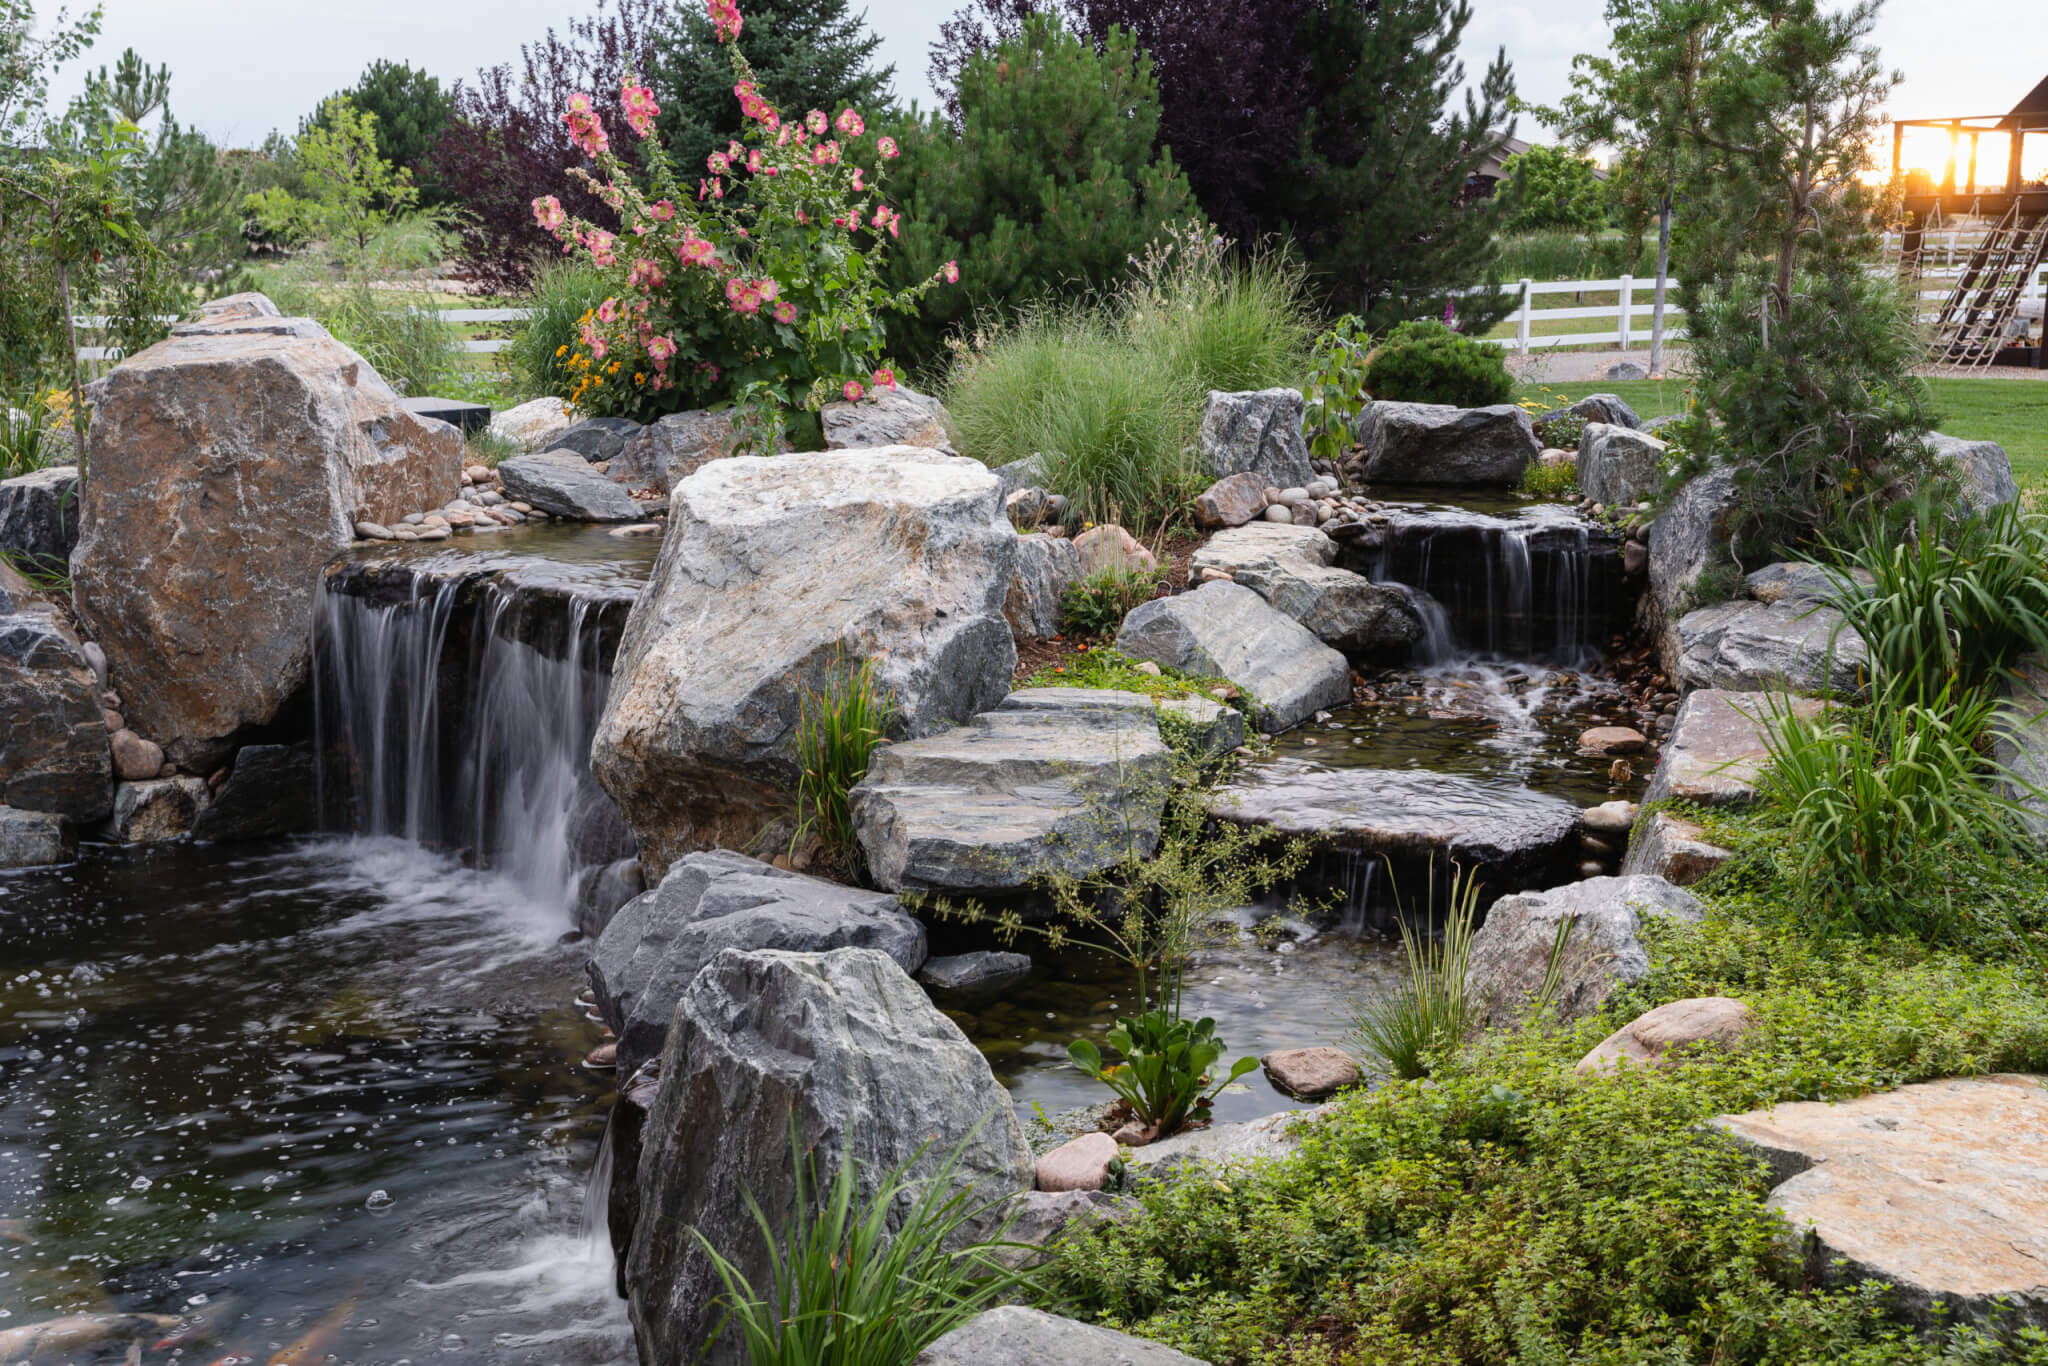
(454,730)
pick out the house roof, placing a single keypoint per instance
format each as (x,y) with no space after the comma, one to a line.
(2031,111)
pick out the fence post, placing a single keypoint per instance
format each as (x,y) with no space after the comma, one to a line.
(1522,321)
(1626,306)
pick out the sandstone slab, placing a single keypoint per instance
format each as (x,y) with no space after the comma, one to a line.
(1257,433)
(1658,1038)
(1716,750)
(1311,1073)
(1435,443)
(1511,951)
(1226,630)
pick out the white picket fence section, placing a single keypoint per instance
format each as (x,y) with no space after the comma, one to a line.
(1631,314)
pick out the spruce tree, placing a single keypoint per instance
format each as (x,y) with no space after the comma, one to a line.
(806,54)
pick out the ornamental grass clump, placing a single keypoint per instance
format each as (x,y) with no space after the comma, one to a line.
(759,285)
(838,729)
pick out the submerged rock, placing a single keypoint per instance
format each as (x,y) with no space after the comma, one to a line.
(978,976)
(561,483)
(1255,433)
(1228,631)
(889,417)
(1933,1190)
(1435,443)
(1067,780)
(1015,1336)
(53,733)
(1511,952)
(39,515)
(1290,567)
(709,902)
(1749,646)
(838,1052)
(1716,750)
(1311,1073)
(776,573)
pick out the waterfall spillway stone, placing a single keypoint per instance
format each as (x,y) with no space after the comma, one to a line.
(456,694)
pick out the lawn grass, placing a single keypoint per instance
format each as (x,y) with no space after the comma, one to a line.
(2012,412)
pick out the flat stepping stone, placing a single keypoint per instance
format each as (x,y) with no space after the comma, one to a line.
(1717,747)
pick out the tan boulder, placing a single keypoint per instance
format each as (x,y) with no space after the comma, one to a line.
(1674,849)
(1605,740)
(1079,1164)
(1231,501)
(228,464)
(1655,1038)
(1109,546)
(1717,748)
(1311,1073)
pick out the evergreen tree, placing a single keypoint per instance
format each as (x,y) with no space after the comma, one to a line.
(806,54)
(411,110)
(1553,190)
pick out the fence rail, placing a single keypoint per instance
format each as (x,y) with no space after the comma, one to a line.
(1632,314)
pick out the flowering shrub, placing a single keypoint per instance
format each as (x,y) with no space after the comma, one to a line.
(759,285)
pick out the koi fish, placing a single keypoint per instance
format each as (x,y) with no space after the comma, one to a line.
(204,1325)
(76,1332)
(314,1339)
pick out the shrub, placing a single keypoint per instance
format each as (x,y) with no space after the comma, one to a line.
(1426,362)
(1098,604)
(838,729)
(1336,392)
(1553,189)
(1550,482)
(1166,1064)
(563,293)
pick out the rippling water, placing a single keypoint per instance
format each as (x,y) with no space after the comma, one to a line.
(333,1085)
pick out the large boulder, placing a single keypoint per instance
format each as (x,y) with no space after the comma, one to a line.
(1232,500)
(1047,566)
(840,1053)
(53,735)
(1055,780)
(774,573)
(1511,951)
(1611,409)
(1981,469)
(1257,433)
(1228,631)
(1015,1336)
(1717,748)
(1665,1036)
(1434,443)
(1619,464)
(157,811)
(229,463)
(674,448)
(2021,743)
(1291,568)
(1749,646)
(1688,544)
(1933,1190)
(889,417)
(533,426)
(562,484)
(39,515)
(597,439)
(657,943)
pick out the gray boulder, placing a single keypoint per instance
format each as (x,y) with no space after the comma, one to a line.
(981,975)
(776,572)
(891,417)
(1619,465)
(1751,646)
(1015,1336)
(1290,567)
(271,790)
(597,439)
(562,484)
(1258,433)
(1434,443)
(1688,542)
(1067,780)
(29,839)
(1981,469)
(1511,951)
(657,942)
(1794,583)
(1219,1147)
(53,734)
(1717,749)
(840,1052)
(1227,630)
(1031,472)
(1047,566)
(2021,744)
(673,448)
(39,515)
(1611,409)
(1674,849)
(1200,726)
(157,811)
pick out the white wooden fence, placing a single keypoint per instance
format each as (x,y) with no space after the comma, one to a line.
(1634,301)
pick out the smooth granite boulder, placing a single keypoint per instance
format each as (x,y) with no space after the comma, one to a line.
(887,417)
(1981,469)
(1619,465)
(562,484)
(1015,1336)
(1255,433)
(1511,951)
(775,573)
(1750,646)
(1291,568)
(1228,631)
(1665,1036)
(53,734)
(1435,443)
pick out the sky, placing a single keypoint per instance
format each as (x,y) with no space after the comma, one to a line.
(240,68)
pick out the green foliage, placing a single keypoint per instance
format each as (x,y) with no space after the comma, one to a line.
(1550,190)
(812,54)
(839,726)
(1166,1063)
(24,420)
(865,1280)
(1426,362)
(1051,183)
(1098,603)
(1336,390)
(351,190)
(30,54)
(408,109)
(563,293)
(1422,1019)
(1570,256)
(1103,667)
(396,331)
(1552,483)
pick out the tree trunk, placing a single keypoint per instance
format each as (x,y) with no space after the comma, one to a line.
(71,343)
(1663,278)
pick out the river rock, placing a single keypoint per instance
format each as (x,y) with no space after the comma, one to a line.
(1047,566)
(1290,567)
(1657,1038)
(533,426)
(840,1052)
(674,447)
(1750,646)
(775,572)
(1609,818)
(1604,740)
(1257,433)
(561,483)
(597,439)
(53,734)
(888,417)
(1228,631)
(1934,1190)
(1311,1073)
(271,790)
(1434,443)
(135,758)
(1108,547)
(39,515)
(30,839)
(1674,849)
(227,467)
(1716,750)
(1688,540)
(1512,949)
(1619,465)
(1232,500)
(1015,1336)
(658,941)
(157,811)
(1982,470)
(1054,780)
(981,975)
(1079,1164)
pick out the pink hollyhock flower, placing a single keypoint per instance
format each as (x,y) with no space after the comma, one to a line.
(895,225)
(662,209)
(887,147)
(600,244)
(639,106)
(608,311)
(885,378)
(696,251)
(782,138)
(881,215)
(709,369)
(852,391)
(645,275)
(725,19)
(734,151)
(816,121)
(659,349)
(586,130)
(754,161)
(770,288)
(785,312)
(803,218)
(717,164)
(547,211)
(857,173)
(850,123)
(951,272)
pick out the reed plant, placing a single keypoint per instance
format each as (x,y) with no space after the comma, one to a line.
(838,728)
(1424,1018)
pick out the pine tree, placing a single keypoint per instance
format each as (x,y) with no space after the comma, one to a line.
(411,110)
(806,54)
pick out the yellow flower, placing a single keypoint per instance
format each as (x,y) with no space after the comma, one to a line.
(562,350)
